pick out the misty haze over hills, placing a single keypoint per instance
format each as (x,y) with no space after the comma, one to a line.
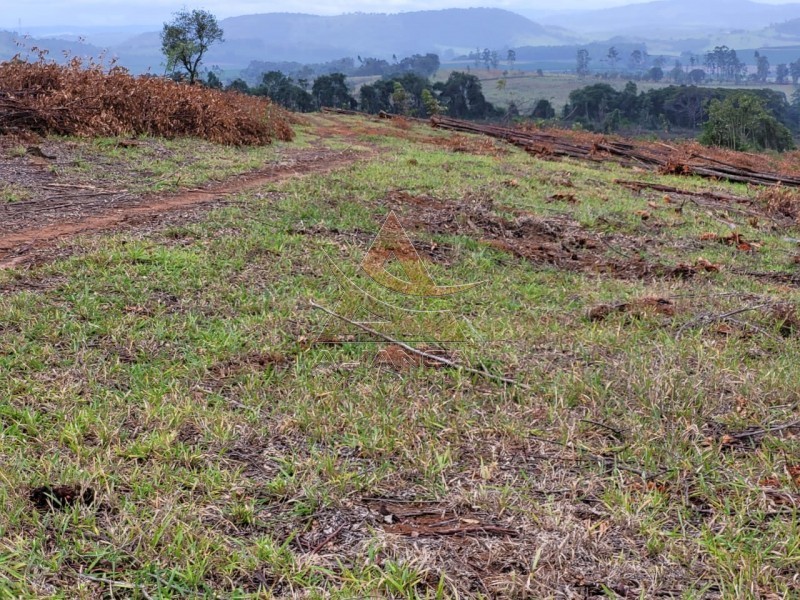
(311,38)
(664,26)
(675,17)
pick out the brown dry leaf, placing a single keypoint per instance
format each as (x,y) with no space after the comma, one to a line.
(708,236)
(706,265)
(642,214)
(794,473)
(736,239)
(600,312)
(563,198)
(741,404)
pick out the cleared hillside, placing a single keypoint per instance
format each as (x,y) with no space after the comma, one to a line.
(176,426)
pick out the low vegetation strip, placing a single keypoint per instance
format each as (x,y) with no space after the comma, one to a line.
(87,101)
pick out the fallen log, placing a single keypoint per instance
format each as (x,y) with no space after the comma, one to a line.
(668,189)
(662,157)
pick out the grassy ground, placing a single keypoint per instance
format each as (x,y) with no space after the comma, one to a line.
(165,385)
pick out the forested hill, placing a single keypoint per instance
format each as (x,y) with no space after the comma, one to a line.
(285,36)
(312,38)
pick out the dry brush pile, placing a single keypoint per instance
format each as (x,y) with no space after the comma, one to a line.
(88,100)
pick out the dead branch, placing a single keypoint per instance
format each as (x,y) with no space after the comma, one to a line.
(425,355)
(707,319)
(759,432)
(328,539)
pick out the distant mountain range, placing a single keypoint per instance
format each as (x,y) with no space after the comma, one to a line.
(664,27)
(675,17)
(312,38)
(12,44)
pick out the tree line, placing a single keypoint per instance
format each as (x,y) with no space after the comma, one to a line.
(408,94)
(722,64)
(740,119)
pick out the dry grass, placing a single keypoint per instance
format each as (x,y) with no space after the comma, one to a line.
(88,101)
(780,201)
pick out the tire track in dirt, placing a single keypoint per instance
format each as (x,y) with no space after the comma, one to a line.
(18,247)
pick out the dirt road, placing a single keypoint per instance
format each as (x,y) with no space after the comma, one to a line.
(26,227)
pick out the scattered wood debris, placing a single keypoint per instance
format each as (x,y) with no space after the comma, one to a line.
(660,158)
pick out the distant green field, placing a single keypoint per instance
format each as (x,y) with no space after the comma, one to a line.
(525,88)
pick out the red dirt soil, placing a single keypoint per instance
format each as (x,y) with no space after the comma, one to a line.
(90,217)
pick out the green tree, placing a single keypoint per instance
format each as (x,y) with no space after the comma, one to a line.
(781,73)
(678,75)
(613,121)
(283,90)
(636,59)
(583,62)
(425,65)
(725,64)
(656,74)
(613,57)
(697,76)
(543,110)
(462,95)
(762,67)
(592,102)
(186,38)
(794,71)
(238,85)
(400,99)
(382,95)
(511,58)
(487,58)
(213,81)
(741,122)
(370,100)
(432,106)
(331,91)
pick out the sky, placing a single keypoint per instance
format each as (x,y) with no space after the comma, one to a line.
(30,14)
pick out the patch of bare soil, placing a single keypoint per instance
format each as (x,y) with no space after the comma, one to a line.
(637,308)
(51,498)
(232,367)
(558,240)
(26,227)
(400,359)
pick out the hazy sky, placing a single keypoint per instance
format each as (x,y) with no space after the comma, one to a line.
(37,13)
